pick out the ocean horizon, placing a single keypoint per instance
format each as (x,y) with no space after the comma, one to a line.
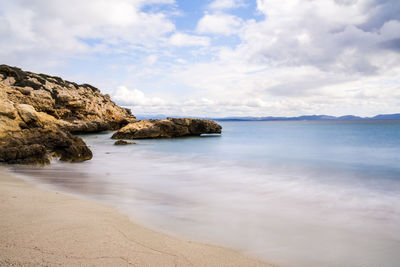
(295,193)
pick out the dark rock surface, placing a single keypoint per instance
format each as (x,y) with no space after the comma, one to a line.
(123,143)
(37,145)
(167,128)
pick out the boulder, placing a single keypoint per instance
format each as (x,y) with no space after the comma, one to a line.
(123,143)
(27,113)
(7,109)
(38,145)
(167,128)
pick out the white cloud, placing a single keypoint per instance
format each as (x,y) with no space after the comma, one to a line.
(151,59)
(135,97)
(62,29)
(330,35)
(226,4)
(194,106)
(224,24)
(235,86)
(182,39)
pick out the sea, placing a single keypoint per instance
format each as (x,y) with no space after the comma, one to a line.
(292,193)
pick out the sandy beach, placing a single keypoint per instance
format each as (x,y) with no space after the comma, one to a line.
(44,228)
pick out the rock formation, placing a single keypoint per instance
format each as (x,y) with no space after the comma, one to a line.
(167,128)
(38,113)
(78,108)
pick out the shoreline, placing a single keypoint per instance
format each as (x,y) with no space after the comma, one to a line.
(46,228)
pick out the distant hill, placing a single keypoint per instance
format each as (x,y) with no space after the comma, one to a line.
(387,117)
(270,118)
(312,118)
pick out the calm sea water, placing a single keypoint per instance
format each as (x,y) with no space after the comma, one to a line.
(292,193)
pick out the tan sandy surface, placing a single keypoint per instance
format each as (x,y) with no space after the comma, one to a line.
(43,228)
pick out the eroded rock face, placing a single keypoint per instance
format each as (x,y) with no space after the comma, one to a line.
(78,108)
(38,113)
(167,128)
(31,137)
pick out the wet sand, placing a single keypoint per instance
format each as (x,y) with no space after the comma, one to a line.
(45,228)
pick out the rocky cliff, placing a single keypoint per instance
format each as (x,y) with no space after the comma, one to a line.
(167,128)
(39,112)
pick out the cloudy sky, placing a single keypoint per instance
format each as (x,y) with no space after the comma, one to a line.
(215,57)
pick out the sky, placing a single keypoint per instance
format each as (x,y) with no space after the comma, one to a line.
(215,58)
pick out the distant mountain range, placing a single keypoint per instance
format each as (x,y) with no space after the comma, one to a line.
(299,118)
(313,118)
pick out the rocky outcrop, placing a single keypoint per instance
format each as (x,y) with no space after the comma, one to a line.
(78,108)
(38,113)
(167,128)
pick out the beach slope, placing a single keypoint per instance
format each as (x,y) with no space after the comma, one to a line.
(44,228)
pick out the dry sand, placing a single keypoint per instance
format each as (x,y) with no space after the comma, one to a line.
(44,228)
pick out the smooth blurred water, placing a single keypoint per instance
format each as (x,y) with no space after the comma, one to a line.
(323,193)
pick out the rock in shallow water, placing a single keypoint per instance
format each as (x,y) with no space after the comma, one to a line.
(167,128)
(37,145)
(123,142)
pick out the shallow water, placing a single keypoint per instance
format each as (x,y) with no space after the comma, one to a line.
(292,193)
